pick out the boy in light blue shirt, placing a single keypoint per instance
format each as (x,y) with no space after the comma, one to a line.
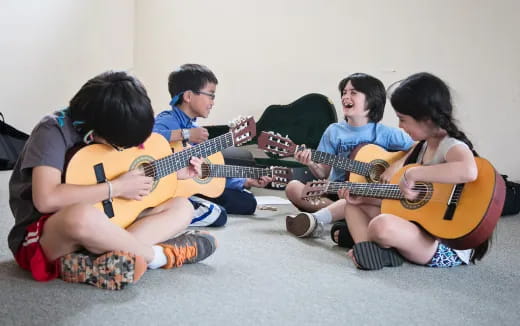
(363,99)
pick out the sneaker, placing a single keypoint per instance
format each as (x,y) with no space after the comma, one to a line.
(189,247)
(304,225)
(112,271)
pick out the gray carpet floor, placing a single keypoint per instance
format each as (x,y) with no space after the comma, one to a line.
(261,275)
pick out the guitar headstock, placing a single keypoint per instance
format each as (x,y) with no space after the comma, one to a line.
(313,190)
(276,144)
(281,176)
(243,130)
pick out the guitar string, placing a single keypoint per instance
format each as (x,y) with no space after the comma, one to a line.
(154,168)
(345,163)
(226,170)
(390,190)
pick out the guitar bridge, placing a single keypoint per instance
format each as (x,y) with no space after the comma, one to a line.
(452,204)
(108,208)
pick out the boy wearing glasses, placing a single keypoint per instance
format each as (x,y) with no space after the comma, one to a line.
(192,88)
(59,233)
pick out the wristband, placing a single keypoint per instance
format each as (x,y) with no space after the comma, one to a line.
(185,133)
(109,190)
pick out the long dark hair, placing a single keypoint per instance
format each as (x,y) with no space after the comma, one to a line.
(424,96)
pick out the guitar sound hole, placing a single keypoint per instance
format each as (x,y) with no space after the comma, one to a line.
(205,174)
(149,170)
(378,167)
(425,194)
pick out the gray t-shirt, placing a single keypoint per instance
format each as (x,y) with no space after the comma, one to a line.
(47,146)
(440,157)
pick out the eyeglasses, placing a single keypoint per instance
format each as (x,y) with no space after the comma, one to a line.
(210,95)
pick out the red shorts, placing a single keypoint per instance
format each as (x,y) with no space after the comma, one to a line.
(30,255)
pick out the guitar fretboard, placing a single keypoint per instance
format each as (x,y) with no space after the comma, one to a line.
(218,170)
(373,190)
(177,161)
(344,163)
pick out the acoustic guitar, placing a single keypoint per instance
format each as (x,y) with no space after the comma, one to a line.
(97,163)
(212,182)
(367,161)
(462,215)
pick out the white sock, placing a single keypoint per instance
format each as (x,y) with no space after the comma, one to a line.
(323,215)
(159,258)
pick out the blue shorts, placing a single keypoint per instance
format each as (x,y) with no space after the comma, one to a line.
(444,257)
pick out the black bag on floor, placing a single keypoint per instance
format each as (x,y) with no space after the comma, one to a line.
(12,141)
(512,201)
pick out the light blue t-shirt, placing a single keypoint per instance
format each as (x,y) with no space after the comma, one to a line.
(340,138)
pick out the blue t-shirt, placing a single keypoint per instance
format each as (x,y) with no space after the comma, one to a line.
(175,119)
(341,138)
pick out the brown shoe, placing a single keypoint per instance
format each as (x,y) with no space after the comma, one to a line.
(304,225)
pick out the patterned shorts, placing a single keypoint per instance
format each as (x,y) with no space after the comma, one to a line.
(444,257)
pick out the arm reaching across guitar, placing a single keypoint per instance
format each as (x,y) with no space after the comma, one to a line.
(258,183)
(319,170)
(193,170)
(50,195)
(357,200)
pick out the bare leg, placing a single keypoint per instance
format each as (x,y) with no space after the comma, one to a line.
(411,241)
(163,222)
(358,218)
(293,191)
(83,226)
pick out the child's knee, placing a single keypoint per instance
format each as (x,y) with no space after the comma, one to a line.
(181,204)
(79,221)
(381,228)
(250,205)
(293,190)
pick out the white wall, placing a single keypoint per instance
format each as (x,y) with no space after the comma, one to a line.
(269,52)
(49,49)
(272,52)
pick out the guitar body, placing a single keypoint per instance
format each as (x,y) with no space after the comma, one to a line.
(80,171)
(375,155)
(473,220)
(207,186)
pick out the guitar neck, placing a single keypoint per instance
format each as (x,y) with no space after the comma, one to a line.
(340,162)
(233,171)
(175,162)
(373,190)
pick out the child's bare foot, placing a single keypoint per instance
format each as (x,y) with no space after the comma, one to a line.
(350,254)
